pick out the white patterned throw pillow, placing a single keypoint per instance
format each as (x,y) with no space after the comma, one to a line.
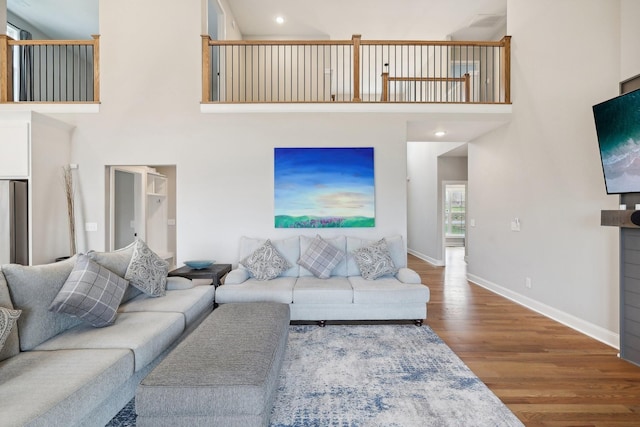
(8,318)
(374,260)
(147,271)
(266,262)
(91,293)
(321,258)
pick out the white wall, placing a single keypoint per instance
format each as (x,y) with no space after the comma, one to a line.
(629,38)
(544,169)
(150,114)
(424,216)
(50,151)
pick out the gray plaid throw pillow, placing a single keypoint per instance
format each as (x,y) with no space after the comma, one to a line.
(321,258)
(91,293)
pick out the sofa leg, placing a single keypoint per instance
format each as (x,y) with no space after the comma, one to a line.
(321,323)
(418,322)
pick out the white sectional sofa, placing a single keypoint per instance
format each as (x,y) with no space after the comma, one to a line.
(345,295)
(56,370)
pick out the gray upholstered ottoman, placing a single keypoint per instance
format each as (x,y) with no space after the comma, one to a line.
(225,373)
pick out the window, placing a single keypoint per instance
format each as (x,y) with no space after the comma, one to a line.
(455,211)
(14,33)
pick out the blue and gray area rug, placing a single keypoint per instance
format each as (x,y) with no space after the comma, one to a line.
(375,375)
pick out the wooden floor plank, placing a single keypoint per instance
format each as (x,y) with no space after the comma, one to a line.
(546,373)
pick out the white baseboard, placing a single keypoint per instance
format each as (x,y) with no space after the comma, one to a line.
(603,335)
(432,261)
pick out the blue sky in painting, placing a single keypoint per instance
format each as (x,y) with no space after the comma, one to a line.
(324,182)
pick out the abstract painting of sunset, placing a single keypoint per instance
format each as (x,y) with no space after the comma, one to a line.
(324,187)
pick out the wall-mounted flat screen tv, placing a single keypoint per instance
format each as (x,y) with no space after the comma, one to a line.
(618,128)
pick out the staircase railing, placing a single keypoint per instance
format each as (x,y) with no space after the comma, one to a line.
(60,71)
(356,70)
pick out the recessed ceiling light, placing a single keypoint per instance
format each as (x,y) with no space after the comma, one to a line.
(280,20)
(440,133)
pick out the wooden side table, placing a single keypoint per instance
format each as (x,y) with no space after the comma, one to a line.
(214,273)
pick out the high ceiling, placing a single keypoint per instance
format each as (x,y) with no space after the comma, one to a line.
(373,19)
(59,19)
(327,19)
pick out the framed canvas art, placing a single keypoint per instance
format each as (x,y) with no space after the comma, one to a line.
(324,187)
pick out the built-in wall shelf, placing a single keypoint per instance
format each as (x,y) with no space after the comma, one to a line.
(156,185)
(620,218)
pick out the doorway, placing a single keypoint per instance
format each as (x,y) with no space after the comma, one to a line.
(216,29)
(455,214)
(127,209)
(141,204)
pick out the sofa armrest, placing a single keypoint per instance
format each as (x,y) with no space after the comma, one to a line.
(237,276)
(407,275)
(178,283)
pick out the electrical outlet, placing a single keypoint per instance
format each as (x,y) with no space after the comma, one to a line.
(515,225)
(527,282)
(472,222)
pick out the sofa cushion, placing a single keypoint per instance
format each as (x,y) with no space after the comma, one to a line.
(91,293)
(32,290)
(146,334)
(374,260)
(334,290)
(289,248)
(266,262)
(279,289)
(397,250)
(8,318)
(387,290)
(118,262)
(11,345)
(320,258)
(41,388)
(147,271)
(190,302)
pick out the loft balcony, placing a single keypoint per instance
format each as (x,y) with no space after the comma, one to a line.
(325,75)
(355,71)
(49,71)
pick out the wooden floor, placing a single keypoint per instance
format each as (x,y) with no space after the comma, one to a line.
(546,373)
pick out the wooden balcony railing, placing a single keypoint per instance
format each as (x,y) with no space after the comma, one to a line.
(60,71)
(356,70)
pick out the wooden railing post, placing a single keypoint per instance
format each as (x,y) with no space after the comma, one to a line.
(96,67)
(6,70)
(506,68)
(356,67)
(385,86)
(206,69)
(467,87)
